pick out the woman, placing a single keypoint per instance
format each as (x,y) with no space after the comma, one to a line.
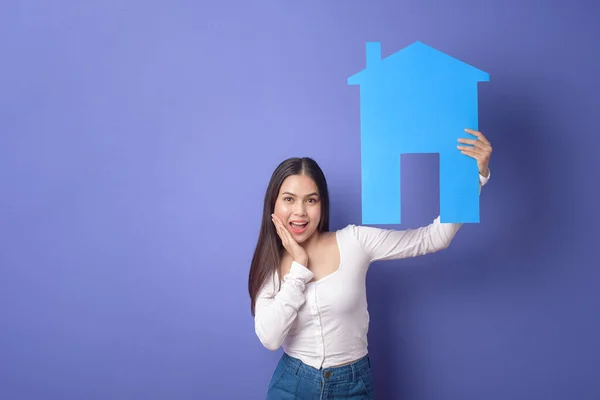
(307,285)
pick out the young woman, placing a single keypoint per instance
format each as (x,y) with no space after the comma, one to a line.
(307,284)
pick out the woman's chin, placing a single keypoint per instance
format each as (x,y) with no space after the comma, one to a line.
(302,237)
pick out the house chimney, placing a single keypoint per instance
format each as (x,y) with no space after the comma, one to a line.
(373,53)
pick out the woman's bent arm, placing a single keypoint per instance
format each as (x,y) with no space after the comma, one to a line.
(274,315)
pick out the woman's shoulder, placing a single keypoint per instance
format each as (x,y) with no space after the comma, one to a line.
(357,230)
(357,234)
(357,241)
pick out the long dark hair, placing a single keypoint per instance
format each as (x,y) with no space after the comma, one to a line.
(267,254)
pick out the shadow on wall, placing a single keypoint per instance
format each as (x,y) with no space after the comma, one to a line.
(520,217)
(517,227)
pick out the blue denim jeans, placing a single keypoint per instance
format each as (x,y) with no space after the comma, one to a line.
(294,380)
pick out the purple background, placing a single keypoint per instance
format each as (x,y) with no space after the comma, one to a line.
(137,140)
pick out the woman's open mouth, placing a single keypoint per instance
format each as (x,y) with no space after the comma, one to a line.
(298,227)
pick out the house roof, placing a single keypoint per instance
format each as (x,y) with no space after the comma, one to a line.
(418,57)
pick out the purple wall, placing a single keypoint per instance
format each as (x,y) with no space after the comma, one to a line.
(137,139)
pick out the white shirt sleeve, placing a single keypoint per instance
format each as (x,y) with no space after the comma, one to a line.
(275,311)
(390,244)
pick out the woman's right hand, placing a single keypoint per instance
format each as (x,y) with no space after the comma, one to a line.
(289,243)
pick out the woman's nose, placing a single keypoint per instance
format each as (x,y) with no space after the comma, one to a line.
(300,208)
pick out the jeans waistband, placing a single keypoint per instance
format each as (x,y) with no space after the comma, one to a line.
(345,373)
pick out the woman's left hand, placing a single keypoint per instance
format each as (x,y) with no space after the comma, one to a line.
(480,150)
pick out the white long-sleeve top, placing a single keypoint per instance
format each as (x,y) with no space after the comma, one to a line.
(324,323)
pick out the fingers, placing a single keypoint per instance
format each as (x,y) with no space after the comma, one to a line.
(472,153)
(283,233)
(479,135)
(480,146)
(278,227)
(276,221)
(476,143)
(472,149)
(288,242)
(478,154)
(480,149)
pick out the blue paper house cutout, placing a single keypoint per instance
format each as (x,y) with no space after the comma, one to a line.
(417,100)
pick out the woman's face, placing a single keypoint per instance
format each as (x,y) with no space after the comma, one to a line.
(298,205)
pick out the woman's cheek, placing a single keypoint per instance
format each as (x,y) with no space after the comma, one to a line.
(282,211)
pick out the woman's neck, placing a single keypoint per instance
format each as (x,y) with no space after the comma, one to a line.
(312,241)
